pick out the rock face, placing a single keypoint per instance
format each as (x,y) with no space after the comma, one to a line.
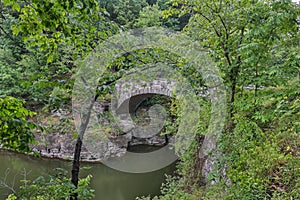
(61,144)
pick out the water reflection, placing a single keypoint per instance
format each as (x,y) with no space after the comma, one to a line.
(108,184)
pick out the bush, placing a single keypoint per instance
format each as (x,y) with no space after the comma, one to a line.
(55,187)
(15,130)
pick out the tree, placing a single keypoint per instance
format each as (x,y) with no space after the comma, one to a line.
(244,37)
(152,15)
(123,12)
(25,72)
(149,16)
(47,24)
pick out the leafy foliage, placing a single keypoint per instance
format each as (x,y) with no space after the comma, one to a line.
(25,72)
(149,16)
(49,23)
(253,42)
(15,130)
(261,154)
(123,12)
(53,187)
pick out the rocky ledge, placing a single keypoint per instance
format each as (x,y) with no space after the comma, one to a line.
(58,141)
(62,146)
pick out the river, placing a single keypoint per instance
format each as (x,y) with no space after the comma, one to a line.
(108,183)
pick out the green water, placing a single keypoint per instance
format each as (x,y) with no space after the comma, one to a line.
(108,183)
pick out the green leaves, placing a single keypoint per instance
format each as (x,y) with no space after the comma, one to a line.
(262,151)
(48,24)
(52,187)
(123,12)
(254,42)
(149,16)
(15,130)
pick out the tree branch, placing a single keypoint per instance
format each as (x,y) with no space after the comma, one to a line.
(3,182)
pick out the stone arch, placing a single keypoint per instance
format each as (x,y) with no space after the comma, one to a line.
(130,94)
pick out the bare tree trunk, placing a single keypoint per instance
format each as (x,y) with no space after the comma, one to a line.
(231,101)
(76,160)
(76,166)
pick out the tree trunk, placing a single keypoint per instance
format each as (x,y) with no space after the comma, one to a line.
(76,161)
(232,98)
(76,166)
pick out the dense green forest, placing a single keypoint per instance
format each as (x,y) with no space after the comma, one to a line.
(254,43)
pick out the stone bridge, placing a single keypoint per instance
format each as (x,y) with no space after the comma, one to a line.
(126,90)
(129,95)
